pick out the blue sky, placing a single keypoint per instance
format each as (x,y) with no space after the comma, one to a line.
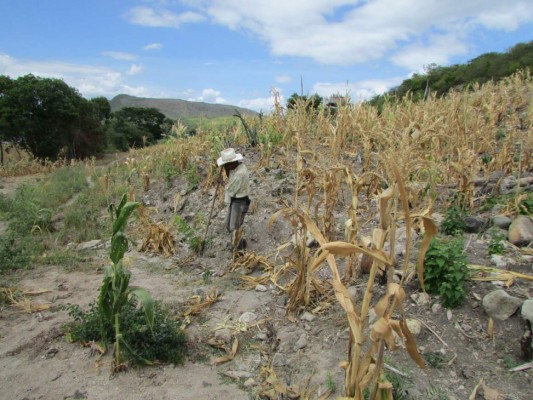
(239,51)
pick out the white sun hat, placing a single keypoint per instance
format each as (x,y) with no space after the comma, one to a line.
(227,156)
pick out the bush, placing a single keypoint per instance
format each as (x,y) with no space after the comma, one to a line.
(166,344)
(445,271)
(16,253)
(454,221)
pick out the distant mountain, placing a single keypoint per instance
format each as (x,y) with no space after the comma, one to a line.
(176,108)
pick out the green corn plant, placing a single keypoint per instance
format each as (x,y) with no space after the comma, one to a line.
(115,291)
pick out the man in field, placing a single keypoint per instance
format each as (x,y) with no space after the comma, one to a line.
(235,194)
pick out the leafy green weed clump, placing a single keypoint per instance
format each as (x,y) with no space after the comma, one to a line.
(454,221)
(445,271)
(166,343)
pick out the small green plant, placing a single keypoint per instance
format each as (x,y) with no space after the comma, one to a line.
(115,291)
(330,383)
(496,245)
(206,276)
(454,221)
(436,393)
(445,271)
(435,359)
(190,235)
(193,177)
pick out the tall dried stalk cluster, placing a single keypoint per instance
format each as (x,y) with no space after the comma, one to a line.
(359,175)
(349,167)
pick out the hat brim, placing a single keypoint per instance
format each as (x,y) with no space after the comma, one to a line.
(238,157)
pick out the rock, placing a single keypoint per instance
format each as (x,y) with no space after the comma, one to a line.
(90,245)
(502,221)
(261,336)
(401,240)
(250,382)
(223,335)
(435,308)
(248,317)
(507,185)
(527,311)
(521,231)
(414,325)
(353,291)
(301,343)
(475,224)
(238,374)
(495,176)
(499,261)
(526,181)
(279,360)
(500,305)
(261,288)
(307,316)
(420,298)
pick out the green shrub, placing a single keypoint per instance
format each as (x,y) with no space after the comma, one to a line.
(445,271)
(166,344)
(16,253)
(454,221)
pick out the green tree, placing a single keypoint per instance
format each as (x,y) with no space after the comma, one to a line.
(310,103)
(149,120)
(47,117)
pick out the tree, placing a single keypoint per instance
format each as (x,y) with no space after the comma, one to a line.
(47,117)
(312,103)
(149,120)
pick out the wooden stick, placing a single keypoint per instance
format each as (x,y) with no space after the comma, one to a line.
(435,333)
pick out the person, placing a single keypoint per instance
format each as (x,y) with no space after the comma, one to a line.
(236,195)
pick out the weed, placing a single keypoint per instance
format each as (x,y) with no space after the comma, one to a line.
(193,177)
(435,359)
(17,253)
(496,245)
(190,235)
(445,271)
(436,393)
(454,221)
(330,383)
(165,343)
(206,276)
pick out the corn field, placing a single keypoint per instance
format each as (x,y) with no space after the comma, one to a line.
(358,176)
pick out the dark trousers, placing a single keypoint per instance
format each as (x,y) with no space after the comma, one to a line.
(236,213)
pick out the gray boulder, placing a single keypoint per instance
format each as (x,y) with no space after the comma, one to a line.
(500,305)
(521,231)
(502,221)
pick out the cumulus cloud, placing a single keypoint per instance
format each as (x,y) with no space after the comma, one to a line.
(135,69)
(208,95)
(153,46)
(357,91)
(264,104)
(148,16)
(439,50)
(346,32)
(89,80)
(120,55)
(283,79)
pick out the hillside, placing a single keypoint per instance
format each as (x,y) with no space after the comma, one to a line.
(176,108)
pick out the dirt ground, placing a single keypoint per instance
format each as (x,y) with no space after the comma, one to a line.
(36,362)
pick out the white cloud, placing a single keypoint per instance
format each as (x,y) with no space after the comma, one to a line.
(439,50)
(153,46)
(147,16)
(119,55)
(345,32)
(357,91)
(135,69)
(89,80)
(208,95)
(283,79)
(264,104)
